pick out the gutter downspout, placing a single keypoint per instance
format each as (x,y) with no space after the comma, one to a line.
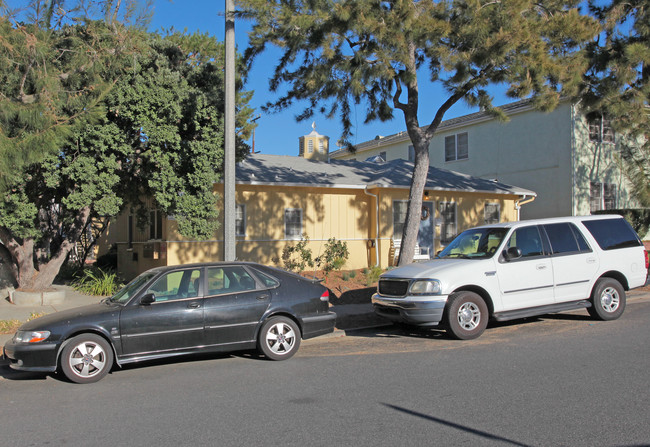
(376,196)
(573,160)
(523,201)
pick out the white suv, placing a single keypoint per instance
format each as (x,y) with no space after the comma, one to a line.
(518,269)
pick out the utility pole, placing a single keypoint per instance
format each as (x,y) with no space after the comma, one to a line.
(229,253)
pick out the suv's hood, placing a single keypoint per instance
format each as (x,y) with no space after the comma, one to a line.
(434,268)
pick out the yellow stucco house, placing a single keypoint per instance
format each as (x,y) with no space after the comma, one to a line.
(362,203)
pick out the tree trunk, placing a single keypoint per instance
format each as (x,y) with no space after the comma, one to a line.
(414,210)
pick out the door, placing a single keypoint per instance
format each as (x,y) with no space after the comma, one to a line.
(234,305)
(574,263)
(528,280)
(174,321)
(425,233)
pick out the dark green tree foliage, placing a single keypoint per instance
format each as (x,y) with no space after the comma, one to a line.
(617,82)
(342,52)
(155,129)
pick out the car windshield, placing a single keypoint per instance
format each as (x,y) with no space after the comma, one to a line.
(481,243)
(125,294)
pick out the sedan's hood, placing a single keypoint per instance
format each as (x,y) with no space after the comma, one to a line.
(70,315)
(433,268)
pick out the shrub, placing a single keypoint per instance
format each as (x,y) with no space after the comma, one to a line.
(98,282)
(297,257)
(372,275)
(335,255)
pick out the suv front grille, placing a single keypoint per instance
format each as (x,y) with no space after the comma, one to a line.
(393,287)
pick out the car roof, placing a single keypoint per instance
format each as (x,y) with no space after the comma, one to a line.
(166,268)
(552,220)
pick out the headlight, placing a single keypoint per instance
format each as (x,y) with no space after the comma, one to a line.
(31,336)
(426,287)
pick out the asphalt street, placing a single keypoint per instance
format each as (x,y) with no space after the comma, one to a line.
(557,380)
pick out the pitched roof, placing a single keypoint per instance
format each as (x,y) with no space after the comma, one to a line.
(264,169)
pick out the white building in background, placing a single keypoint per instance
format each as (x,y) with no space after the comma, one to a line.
(569,159)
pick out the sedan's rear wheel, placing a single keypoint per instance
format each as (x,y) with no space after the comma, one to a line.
(86,358)
(607,299)
(279,338)
(466,315)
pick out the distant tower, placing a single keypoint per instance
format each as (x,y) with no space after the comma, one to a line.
(314,146)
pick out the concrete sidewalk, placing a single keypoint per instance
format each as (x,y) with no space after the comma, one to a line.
(348,316)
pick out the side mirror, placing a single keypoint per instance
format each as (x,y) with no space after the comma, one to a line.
(148,299)
(513,253)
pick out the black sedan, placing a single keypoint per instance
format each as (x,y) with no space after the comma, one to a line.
(170,311)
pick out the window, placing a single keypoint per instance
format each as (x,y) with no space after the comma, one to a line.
(240,219)
(399,218)
(383,155)
(310,146)
(565,238)
(233,279)
(411,154)
(155,224)
(492,213)
(448,227)
(321,147)
(602,196)
(293,223)
(528,240)
(600,129)
(457,147)
(612,234)
(177,285)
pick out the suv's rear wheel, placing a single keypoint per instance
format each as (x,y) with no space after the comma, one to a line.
(466,316)
(607,299)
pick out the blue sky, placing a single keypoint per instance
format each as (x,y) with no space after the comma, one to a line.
(278,133)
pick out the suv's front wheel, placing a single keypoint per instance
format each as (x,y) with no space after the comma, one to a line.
(607,299)
(466,315)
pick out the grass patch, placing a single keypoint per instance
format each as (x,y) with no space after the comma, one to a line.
(97,282)
(11,326)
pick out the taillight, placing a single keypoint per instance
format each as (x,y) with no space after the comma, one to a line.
(326,294)
(647,259)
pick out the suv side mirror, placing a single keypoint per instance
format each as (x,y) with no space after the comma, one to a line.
(148,299)
(513,253)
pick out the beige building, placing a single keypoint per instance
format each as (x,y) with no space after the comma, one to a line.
(570,160)
(281,199)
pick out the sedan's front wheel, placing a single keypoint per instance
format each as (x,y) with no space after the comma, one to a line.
(86,358)
(279,338)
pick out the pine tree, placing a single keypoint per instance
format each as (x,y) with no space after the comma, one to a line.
(341,52)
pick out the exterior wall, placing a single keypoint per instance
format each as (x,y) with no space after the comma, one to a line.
(345,214)
(316,153)
(532,150)
(599,162)
(469,213)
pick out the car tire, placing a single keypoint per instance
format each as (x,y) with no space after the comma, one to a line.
(86,358)
(466,315)
(279,338)
(607,300)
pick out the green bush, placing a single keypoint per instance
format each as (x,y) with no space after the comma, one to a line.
(335,255)
(372,275)
(98,282)
(297,257)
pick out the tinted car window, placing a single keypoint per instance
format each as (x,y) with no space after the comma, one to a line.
(177,285)
(565,238)
(266,279)
(229,280)
(528,240)
(612,233)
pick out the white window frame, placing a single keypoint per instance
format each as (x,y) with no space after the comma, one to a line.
(321,146)
(397,235)
(498,212)
(602,196)
(600,130)
(310,146)
(455,140)
(444,224)
(288,224)
(240,221)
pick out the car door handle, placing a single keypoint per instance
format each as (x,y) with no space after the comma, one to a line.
(591,260)
(194,305)
(263,297)
(541,266)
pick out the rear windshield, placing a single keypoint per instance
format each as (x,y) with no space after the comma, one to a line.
(612,233)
